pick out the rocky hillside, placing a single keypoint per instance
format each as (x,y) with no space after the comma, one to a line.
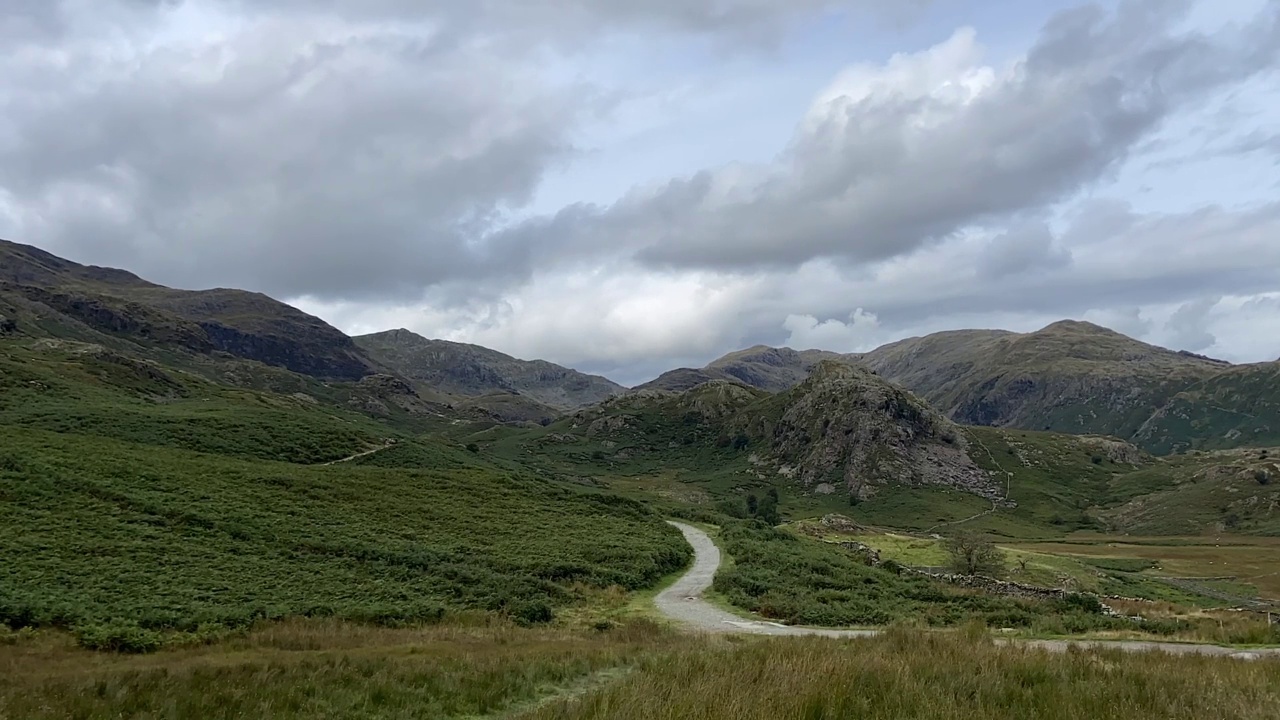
(761,367)
(47,296)
(848,428)
(474,371)
(842,431)
(1239,406)
(1077,377)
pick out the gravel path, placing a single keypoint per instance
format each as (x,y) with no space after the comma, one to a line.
(683,603)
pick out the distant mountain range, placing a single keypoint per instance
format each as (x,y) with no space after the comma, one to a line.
(473,371)
(1071,377)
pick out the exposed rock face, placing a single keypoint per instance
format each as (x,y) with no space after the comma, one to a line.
(288,352)
(84,300)
(845,425)
(608,425)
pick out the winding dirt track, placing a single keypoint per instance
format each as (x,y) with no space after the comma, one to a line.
(683,603)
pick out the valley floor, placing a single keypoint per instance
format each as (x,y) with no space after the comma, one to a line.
(684,603)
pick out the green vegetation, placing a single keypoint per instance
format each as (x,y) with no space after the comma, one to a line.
(909,674)
(969,554)
(90,391)
(119,541)
(804,582)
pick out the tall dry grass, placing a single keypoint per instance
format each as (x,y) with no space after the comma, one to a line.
(319,669)
(910,674)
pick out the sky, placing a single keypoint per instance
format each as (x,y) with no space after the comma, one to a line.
(628,187)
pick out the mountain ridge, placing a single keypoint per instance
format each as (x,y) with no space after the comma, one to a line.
(473,371)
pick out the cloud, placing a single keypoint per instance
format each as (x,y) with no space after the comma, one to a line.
(860,333)
(294,155)
(557,20)
(897,156)
(1188,328)
(1023,250)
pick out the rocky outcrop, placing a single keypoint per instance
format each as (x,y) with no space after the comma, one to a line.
(1117,451)
(285,352)
(844,425)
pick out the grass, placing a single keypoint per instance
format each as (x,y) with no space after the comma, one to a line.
(126,544)
(1253,560)
(323,668)
(97,392)
(805,582)
(910,674)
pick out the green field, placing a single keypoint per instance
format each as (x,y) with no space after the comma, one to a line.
(115,540)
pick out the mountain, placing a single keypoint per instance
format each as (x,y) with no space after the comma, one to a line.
(44,295)
(761,367)
(1239,406)
(1073,377)
(474,371)
(841,431)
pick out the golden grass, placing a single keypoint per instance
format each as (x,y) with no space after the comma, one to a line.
(308,669)
(1254,560)
(908,674)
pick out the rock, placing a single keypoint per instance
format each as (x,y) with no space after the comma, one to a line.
(840,523)
(608,425)
(7,325)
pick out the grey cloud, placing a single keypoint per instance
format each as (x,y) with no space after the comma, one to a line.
(1026,249)
(1259,141)
(312,162)
(542,20)
(1119,260)
(883,174)
(1189,325)
(48,21)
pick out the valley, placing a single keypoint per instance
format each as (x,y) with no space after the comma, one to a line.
(215,504)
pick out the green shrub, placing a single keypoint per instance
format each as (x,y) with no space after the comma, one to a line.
(533,612)
(118,637)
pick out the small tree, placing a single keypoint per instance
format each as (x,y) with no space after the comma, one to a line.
(969,554)
(768,509)
(753,505)
(741,441)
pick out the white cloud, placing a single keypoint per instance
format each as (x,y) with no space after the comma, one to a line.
(859,334)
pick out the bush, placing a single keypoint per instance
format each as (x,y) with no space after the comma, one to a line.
(1263,476)
(533,612)
(1096,459)
(121,638)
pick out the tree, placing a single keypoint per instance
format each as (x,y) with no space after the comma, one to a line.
(741,441)
(768,509)
(969,554)
(753,505)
